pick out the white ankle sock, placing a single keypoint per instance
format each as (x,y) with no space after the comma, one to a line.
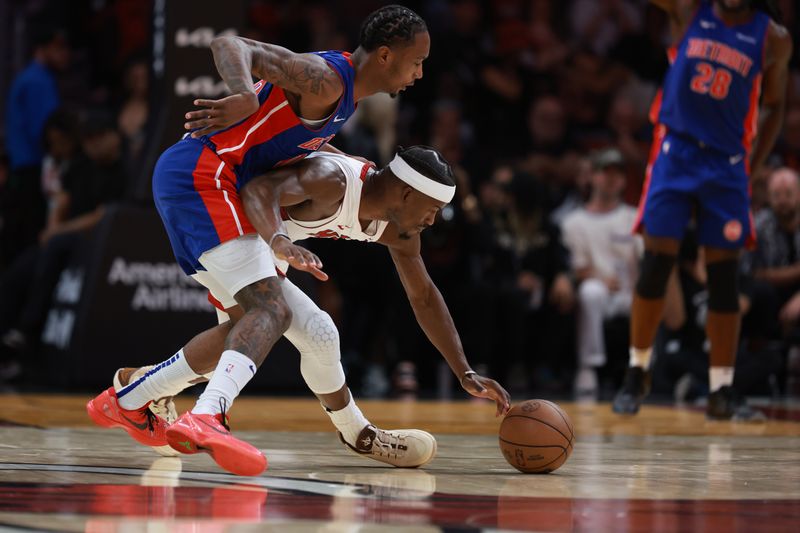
(719,376)
(167,378)
(233,372)
(349,420)
(640,357)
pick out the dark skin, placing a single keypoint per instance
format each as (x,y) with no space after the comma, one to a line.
(311,86)
(722,328)
(313,190)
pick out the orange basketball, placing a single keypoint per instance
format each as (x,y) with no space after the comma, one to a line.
(536,437)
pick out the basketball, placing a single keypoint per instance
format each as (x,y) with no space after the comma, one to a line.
(536,437)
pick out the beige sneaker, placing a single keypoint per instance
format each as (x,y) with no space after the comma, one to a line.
(163,407)
(403,448)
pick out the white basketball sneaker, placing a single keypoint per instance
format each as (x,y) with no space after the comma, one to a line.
(403,448)
(162,407)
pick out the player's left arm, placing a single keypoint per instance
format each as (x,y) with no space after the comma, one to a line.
(434,317)
(773,94)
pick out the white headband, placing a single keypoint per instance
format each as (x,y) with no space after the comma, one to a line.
(422,183)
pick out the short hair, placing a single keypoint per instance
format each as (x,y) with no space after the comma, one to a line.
(388,26)
(42,33)
(429,162)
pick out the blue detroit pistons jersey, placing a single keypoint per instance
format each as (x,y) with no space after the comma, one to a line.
(712,88)
(274,135)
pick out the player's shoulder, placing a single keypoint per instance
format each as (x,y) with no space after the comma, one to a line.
(323,176)
(779,41)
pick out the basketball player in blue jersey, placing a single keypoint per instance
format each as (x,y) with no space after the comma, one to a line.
(296,107)
(727,78)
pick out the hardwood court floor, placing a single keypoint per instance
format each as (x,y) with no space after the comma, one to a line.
(665,470)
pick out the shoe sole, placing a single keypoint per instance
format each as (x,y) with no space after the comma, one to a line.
(225,454)
(102,420)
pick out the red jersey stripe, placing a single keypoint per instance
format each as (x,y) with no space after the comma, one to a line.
(216,185)
(751,120)
(273,117)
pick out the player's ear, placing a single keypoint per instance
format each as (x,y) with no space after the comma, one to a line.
(383,53)
(407,192)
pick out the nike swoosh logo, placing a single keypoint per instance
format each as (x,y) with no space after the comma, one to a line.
(745,38)
(735,159)
(707,25)
(338,119)
(253,369)
(137,425)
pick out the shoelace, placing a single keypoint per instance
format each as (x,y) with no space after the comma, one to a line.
(395,445)
(151,419)
(223,407)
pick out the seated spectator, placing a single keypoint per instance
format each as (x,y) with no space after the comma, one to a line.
(775,264)
(604,262)
(93,179)
(522,288)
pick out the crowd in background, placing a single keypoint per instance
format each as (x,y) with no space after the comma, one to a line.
(542,109)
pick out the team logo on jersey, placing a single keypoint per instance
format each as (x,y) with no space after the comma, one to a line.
(328,234)
(315,143)
(732,230)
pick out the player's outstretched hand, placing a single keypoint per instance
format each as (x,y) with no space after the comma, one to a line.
(482,387)
(299,258)
(215,115)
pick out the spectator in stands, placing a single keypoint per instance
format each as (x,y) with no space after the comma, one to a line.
(789,144)
(775,263)
(601,23)
(604,262)
(523,283)
(94,178)
(32,97)
(134,111)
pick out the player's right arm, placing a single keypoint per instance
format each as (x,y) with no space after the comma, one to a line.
(238,59)
(312,180)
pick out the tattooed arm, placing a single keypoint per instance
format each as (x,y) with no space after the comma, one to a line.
(238,59)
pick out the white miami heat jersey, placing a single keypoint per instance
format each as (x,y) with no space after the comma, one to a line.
(344,223)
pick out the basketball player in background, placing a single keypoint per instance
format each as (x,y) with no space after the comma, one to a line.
(297,106)
(728,68)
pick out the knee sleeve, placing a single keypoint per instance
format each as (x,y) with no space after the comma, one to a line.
(655,271)
(723,286)
(317,339)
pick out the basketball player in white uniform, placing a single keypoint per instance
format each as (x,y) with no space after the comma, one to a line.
(329,195)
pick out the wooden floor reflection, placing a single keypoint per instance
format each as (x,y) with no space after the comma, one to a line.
(664,470)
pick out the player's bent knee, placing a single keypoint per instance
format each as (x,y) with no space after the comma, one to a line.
(320,355)
(277,311)
(592,291)
(723,286)
(655,271)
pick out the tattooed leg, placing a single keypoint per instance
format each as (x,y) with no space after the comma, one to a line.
(267,316)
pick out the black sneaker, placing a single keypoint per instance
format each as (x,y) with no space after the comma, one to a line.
(634,388)
(727,404)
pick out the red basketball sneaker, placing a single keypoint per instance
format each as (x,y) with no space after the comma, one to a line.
(141,424)
(193,433)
